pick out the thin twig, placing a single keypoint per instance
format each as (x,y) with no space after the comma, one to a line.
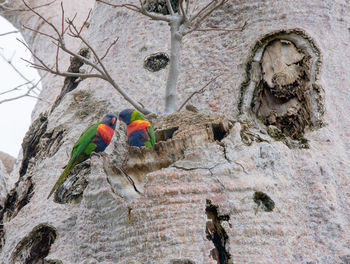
(182,10)
(62,19)
(72,21)
(202,10)
(39,32)
(9,61)
(16,88)
(210,11)
(27,94)
(198,92)
(8,33)
(224,29)
(104,70)
(7,9)
(59,42)
(40,16)
(83,59)
(121,5)
(34,55)
(57,52)
(139,10)
(84,23)
(170,8)
(110,46)
(65,73)
(187,6)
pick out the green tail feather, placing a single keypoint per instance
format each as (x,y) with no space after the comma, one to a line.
(64,174)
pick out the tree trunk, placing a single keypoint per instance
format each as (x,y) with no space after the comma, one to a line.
(258,175)
(173,74)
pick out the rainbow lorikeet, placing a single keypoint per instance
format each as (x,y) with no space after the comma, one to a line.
(95,138)
(140,132)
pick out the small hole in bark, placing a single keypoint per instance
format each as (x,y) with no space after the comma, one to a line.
(36,246)
(165,134)
(156,62)
(159,6)
(262,199)
(219,132)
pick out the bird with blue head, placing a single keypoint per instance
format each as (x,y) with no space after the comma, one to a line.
(95,138)
(139,131)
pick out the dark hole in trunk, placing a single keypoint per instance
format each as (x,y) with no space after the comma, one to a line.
(165,134)
(262,199)
(219,132)
(156,62)
(36,246)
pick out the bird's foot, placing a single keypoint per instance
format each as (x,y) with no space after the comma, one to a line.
(96,154)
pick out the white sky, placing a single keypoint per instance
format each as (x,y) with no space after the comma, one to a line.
(15,115)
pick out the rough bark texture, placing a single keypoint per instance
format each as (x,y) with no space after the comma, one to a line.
(8,161)
(234,187)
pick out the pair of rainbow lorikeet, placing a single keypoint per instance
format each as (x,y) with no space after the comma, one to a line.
(98,136)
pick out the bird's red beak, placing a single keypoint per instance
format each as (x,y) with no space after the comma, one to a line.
(113,121)
(120,119)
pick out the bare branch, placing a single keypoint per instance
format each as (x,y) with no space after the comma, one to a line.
(110,46)
(27,94)
(34,55)
(7,9)
(198,92)
(59,42)
(8,33)
(210,11)
(9,61)
(103,71)
(184,14)
(223,29)
(84,23)
(17,88)
(72,21)
(39,32)
(62,19)
(83,59)
(129,6)
(170,8)
(65,73)
(57,52)
(41,17)
(202,10)
(138,9)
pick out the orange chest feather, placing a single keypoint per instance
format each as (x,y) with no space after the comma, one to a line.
(106,133)
(137,125)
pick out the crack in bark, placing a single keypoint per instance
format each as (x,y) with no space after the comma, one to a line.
(132,182)
(217,234)
(201,168)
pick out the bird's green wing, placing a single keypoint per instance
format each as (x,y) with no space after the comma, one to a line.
(84,143)
(152,137)
(80,152)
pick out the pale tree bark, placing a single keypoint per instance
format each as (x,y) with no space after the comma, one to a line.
(173,75)
(258,175)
